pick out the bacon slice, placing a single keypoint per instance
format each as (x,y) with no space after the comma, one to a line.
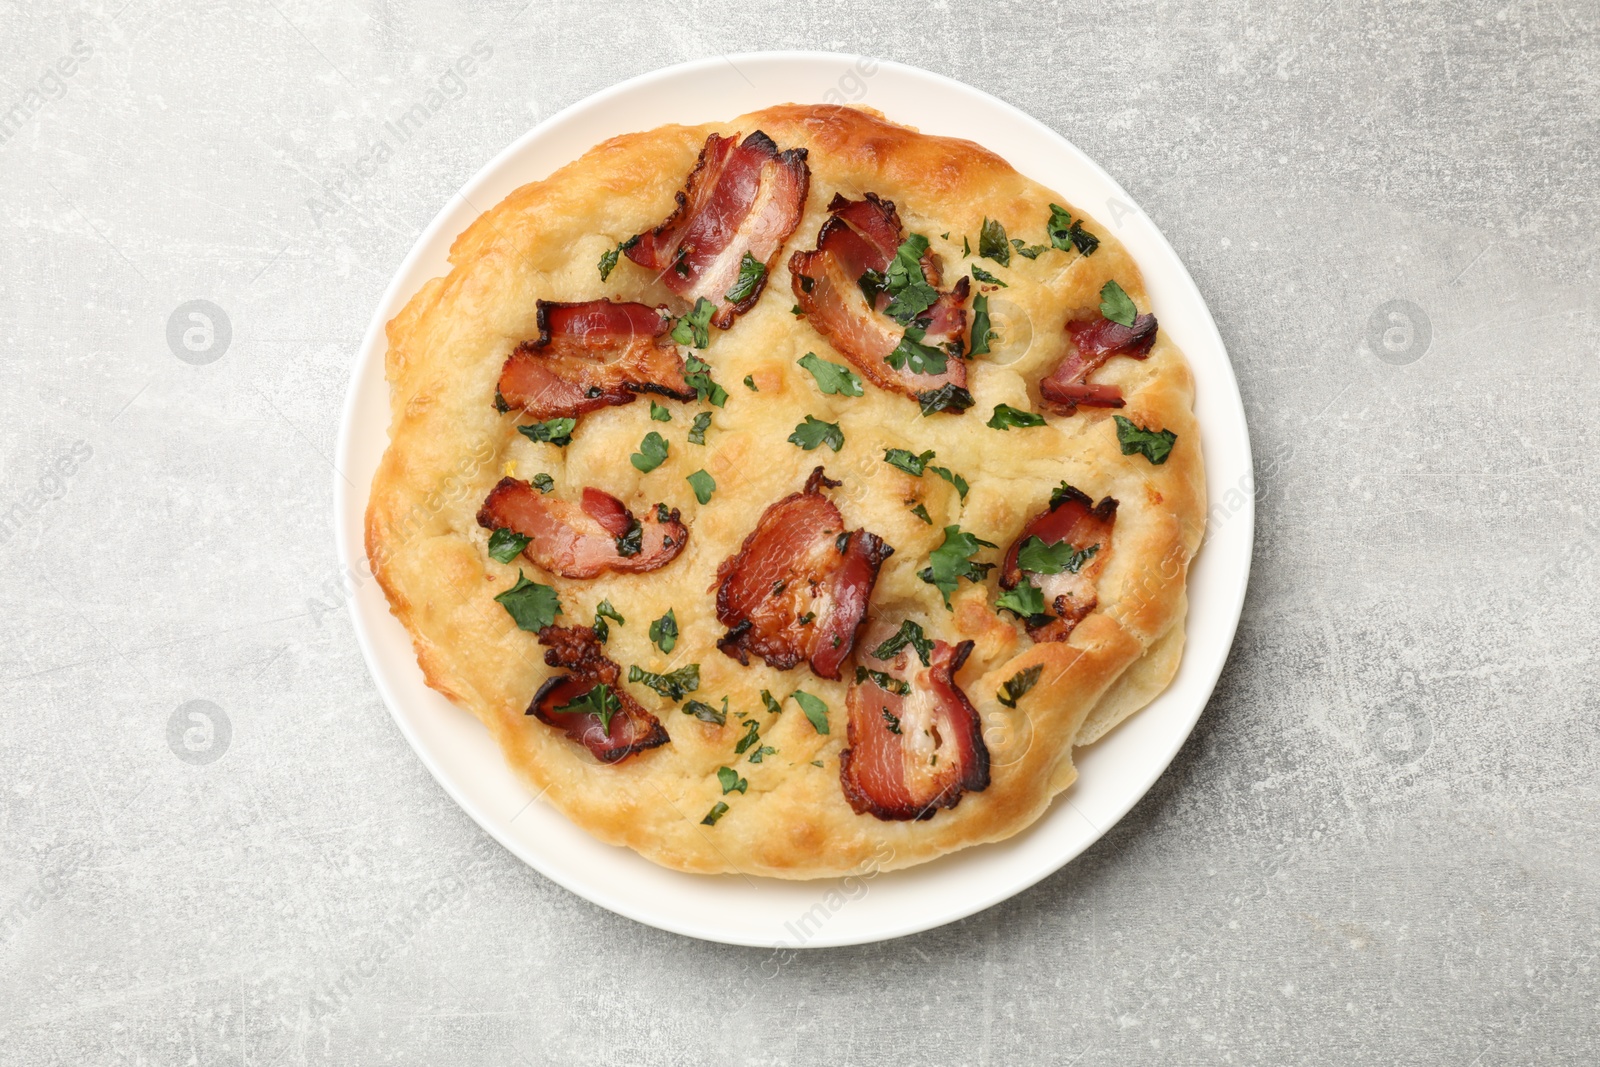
(798,587)
(863,235)
(592,355)
(577,649)
(584,540)
(1075,519)
(1093,342)
(914,752)
(744,199)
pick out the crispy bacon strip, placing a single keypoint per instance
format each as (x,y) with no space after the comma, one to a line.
(798,587)
(1093,342)
(577,649)
(1077,520)
(912,753)
(862,235)
(592,355)
(584,540)
(744,199)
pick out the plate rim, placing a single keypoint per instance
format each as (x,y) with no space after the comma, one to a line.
(369,360)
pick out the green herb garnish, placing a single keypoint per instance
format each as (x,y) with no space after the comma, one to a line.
(832,378)
(1017,686)
(772,706)
(1005,416)
(659,413)
(718,810)
(1154,445)
(948,397)
(703,485)
(815,709)
(1116,305)
(608,259)
(1059,227)
(531,605)
(705,712)
(652,452)
(752,735)
(542,482)
(695,327)
(557,432)
(727,776)
(984,276)
(813,432)
(1025,600)
(921,512)
(505,545)
(750,383)
(664,631)
(752,272)
(697,432)
(1037,557)
(697,373)
(982,331)
(600,702)
(672,685)
(992,243)
(602,612)
(891,720)
(949,563)
(911,354)
(910,633)
(887,682)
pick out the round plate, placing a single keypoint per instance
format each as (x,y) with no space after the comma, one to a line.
(1113,774)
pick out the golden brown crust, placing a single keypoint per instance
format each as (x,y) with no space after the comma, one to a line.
(449,447)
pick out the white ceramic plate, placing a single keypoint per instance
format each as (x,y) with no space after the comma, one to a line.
(1113,774)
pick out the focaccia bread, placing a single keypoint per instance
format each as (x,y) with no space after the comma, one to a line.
(692,381)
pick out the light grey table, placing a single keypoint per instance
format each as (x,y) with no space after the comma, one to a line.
(1377,848)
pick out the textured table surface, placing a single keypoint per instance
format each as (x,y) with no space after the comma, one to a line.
(1379,845)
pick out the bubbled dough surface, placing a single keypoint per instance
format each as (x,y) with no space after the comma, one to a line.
(448,447)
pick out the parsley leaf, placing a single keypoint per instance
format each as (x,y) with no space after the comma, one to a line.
(911,634)
(1037,557)
(664,631)
(1116,305)
(632,542)
(887,682)
(984,276)
(909,462)
(1017,686)
(912,354)
(727,776)
(814,708)
(949,563)
(750,383)
(695,327)
(556,431)
(813,432)
(718,810)
(966,248)
(532,605)
(948,397)
(602,612)
(599,701)
(703,485)
(705,712)
(1059,227)
(697,432)
(762,753)
(953,478)
(891,720)
(982,331)
(1025,600)
(542,482)
(992,243)
(505,545)
(671,685)
(1085,241)
(752,735)
(608,259)
(659,413)
(752,272)
(773,707)
(652,452)
(1156,445)
(1060,493)
(697,373)
(905,281)
(1005,416)
(1027,251)
(921,512)
(832,378)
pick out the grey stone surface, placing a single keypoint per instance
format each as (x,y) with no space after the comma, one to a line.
(1377,848)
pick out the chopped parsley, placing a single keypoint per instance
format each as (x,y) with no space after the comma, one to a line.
(814,708)
(556,431)
(750,383)
(602,612)
(950,562)
(911,354)
(891,720)
(762,753)
(915,464)
(1005,416)
(531,605)
(904,281)
(727,777)
(921,512)
(813,432)
(1025,600)
(887,682)
(832,378)
(695,327)
(1061,493)
(632,542)
(772,706)
(659,413)
(608,259)
(505,545)
(752,272)
(1083,240)
(600,702)
(992,243)
(948,397)
(703,485)
(718,810)
(982,330)
(1036,557)
(1017,686)
(652,452)
(705,712)
(984,276)
(697,432)
(542,482)
(1116,305)
(752,736)
(1154,445)
(795,310)
(672,685)
(697,373)
(910,633)
(664,631)
(1059,227)
(1027,251)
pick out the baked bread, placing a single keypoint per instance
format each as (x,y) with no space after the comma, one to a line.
(799,547)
